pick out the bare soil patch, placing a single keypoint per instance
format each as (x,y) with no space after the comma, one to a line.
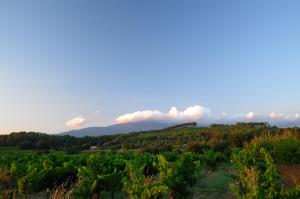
(290,175)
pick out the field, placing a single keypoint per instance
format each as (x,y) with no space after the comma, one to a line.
(246,160)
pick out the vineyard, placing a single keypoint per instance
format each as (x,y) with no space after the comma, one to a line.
(245,160)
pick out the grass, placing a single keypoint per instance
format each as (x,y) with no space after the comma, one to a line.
(215,184)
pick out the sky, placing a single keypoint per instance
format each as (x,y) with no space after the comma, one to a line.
(74,64)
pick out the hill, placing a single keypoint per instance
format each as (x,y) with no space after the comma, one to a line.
(117,129)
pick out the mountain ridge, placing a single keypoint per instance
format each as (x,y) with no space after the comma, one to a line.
(117,129)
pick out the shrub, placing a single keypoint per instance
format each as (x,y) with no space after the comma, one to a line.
(222,147)
(258,177)
(145,185)
(185,172)
(212,159)
(283,148)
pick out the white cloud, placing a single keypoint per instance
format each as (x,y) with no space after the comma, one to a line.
(203,116)
(291,116)
(275,115)
(193,113)
(284,116)
(284,119)
(250,115)
(139,116)
(226,118)
(76,122)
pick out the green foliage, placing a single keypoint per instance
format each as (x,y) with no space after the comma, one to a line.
(287,151)
(145,185)
(184,174)
(98,174)
(169,168)
(283,148)
(258,177)
(103,173)
(222,147)
(174,177)
(35,172)
(38,180)
(212,159)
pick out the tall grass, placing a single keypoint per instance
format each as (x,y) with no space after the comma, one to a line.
(64,191)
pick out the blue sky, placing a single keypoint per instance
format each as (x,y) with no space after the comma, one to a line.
(67,59)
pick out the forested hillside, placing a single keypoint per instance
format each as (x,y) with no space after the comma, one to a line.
(217,137)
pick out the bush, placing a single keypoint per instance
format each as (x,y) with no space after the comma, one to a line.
(258,177)
(283,148)
(185,172)
(287,151)
(212,159)
(145,185)
(222,147)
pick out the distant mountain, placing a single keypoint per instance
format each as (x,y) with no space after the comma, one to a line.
(117,129)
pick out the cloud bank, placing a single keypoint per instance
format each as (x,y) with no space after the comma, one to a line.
(76,122)
(193,113)
(204,116)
